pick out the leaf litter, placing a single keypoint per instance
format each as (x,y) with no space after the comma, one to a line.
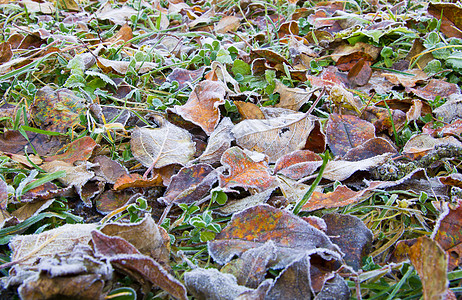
(230,150)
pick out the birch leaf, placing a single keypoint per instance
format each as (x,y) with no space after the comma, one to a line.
(162,146)
(219,141)
(274,137)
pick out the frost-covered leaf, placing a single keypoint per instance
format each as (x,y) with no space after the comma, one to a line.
(298,164)
(190,185)
(244,171)
(255,226)
(291,98)
(202,106)
(162,146)
(341,169)
(80,149)
(219,141)
(122,67)
(274,137)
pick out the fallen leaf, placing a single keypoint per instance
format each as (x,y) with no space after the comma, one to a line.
(436,88)
(341,170)
(135,180)
(185,77)
(370,148)
(244,172)
(212,284)
(145,235)
(202,106)
(454,129)
(13,141)
(162,146)
(111,200)
(190,185)
(250,269)
(293,282)
(218,142)
(345,132)
(227,24)
(56,110)
(448,13)
(80,149)
(249,110)
(420,144)
(121,67)
(298,164)
(415,76)
(116,15)
(415,111)
(124,256)
(451,110)
(351,235)
(49,243)
(340,197)
(122,36)
(360,73)
(430,262)
(255,226)
(448,234)
(343,99)
(235,206)
(274,137)
(289,28)
(291,98)
(109,169)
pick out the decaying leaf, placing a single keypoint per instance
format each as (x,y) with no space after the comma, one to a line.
(421,144)
(255,226)
(80,149)
(135,180)
(341,170)
(298,164)
(275,136)
(244,171)
(162,146)
(219,141)
(291,98)
(190,185)
(202,106)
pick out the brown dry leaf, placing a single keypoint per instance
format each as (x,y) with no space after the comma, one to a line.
(109,169)
(122,36)
(80,149)
(329,77)
(431,264)
(250,269)
(340,197)
(190,185)
(341,170)
(436,88)
(449,14)
(373,147)
(298,164)
(255,226)
(345,132)
(35,7)
(420,144)
(407,81)
(293,282)
(235,206)
(249,110)
(76,176)
(227,24)
(45,191)
(12,141)
(380,117)
(212,284)
(351,235)
(291,98)
(116,15)
(415,111)
(185,77)
(451,110)
(124,256)
(111,200)
(455,129)
(72,5)
(5,52)
(218,142)
(56,110)
(145,235)
(448,234)
(274,137)
(121,67)
(289,28)
(135,180)
(162,146)
(202,106)
(343,99)
(364,49)
(49,243)
(244,171)
(360,73)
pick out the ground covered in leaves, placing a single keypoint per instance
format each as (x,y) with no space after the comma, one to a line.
(230,149)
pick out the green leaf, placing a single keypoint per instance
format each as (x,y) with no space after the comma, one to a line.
(219,196)
(455,60)
(224,56)
(123,293)
(102,76)
(207,236)
(240,67)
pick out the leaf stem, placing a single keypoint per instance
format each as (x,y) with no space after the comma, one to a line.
(307,196)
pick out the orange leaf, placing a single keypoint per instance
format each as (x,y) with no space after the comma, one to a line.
(136,180)
(80,149)
(244,172)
